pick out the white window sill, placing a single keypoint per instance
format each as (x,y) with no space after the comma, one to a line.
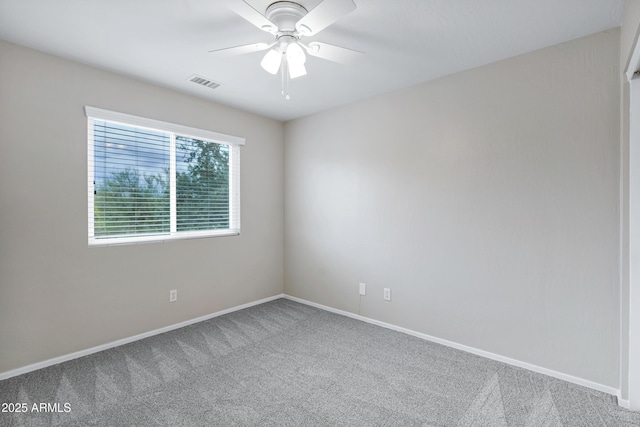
(118,241)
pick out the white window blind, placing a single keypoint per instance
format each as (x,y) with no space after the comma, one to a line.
(151,181)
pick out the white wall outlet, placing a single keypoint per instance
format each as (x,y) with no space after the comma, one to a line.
(363,288)
(173,295)
(387,294)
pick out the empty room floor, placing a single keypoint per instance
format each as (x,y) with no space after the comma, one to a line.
(284,363)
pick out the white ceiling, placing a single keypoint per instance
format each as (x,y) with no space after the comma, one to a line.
(406,42)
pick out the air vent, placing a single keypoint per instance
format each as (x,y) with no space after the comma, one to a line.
(203,82)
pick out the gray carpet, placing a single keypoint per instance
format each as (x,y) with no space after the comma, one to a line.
(287,364)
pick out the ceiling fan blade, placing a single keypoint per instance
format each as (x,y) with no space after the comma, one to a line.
(241,50)
(325,14)
(247,11)
(332,52)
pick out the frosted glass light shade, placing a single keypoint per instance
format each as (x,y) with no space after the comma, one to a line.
(296,70)
(296,59)
(271,61)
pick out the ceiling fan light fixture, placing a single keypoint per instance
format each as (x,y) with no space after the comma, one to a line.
(295,53)
(271,61)
(295,60)
(290,21)
(297,70)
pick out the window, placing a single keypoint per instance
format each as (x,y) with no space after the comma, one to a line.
(155,181)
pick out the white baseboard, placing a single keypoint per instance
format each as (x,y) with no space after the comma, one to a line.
(488,355)
(514,362)
(624,403)
(81,353)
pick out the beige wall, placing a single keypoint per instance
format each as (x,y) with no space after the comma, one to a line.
(58,296)
(488,201)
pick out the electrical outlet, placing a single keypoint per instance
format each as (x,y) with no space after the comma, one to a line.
(387,294)
(173,295)
(363,289)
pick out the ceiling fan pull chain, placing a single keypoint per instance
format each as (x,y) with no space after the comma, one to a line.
(282,73)
(285,78)
(287,96)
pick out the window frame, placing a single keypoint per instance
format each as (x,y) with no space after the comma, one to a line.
(234,143)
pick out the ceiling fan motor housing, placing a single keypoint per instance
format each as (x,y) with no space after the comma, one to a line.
(285,14)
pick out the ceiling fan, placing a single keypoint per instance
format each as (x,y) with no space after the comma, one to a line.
(289,22)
